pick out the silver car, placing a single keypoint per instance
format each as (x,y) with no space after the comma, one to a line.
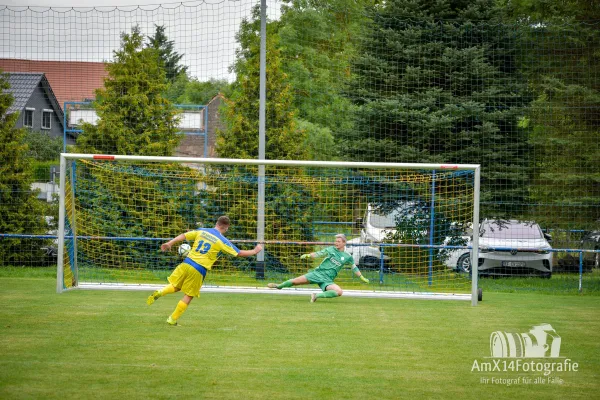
(508,247)
(364,255)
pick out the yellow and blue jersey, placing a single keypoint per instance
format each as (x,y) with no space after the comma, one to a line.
(208,246)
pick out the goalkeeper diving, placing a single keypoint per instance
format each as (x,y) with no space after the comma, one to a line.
(335,259)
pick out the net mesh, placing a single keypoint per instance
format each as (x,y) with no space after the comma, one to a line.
(119,213)
(512,89)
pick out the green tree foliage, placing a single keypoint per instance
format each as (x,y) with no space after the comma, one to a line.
(197,92)
(176,88)
(133,201)
(317,41)
(290,203)
(536,11)
(289,209)
(135,117)
(434,86)
(176,74)
(42,147)
(166,50)
(20,210)
(240,139)
(562,40)
(319,142)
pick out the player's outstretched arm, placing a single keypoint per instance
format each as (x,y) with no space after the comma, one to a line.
(167,246)
(248,253)
(305,256)
(359,274)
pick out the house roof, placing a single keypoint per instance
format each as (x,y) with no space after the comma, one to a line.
(22,86)
(70,80)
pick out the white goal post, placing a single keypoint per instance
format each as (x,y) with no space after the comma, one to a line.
(116,210)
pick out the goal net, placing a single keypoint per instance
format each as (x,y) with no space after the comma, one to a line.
(116,211)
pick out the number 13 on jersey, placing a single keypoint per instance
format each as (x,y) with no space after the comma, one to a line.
(203,247)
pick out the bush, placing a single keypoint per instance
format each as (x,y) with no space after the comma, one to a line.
(41,170)
(42,147)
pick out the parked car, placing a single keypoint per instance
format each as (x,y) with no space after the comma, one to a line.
(400,221)
(508,247)
(376,225)
(591,241)
(380,223)
(570,262)
(366,256)
(458,259)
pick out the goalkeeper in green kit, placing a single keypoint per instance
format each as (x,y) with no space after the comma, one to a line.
(325,273)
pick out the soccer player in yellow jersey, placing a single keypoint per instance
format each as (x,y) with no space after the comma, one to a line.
(209,245)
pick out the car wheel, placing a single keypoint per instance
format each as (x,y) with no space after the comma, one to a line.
(464,263)
(546,275)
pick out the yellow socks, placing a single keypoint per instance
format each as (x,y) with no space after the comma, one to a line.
(180,309)
(167,290)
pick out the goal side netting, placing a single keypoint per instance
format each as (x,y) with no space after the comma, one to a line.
(116,211)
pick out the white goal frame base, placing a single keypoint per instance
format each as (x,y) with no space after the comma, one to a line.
(286,291)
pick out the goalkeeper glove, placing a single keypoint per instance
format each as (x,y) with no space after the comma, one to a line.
(303,256)
(365,280)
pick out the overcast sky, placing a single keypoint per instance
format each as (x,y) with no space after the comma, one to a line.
(78,3)
(82,30)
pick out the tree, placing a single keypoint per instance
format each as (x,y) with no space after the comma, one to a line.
(135,117)
(20,210)
(436,82)
(562,39)
(176,88)
(42,147)
(240,139)
(170,58)
(283,141)
(537,11)
(318,40)
(134,201)
(197,92)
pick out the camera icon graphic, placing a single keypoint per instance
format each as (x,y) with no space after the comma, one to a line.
(541,341)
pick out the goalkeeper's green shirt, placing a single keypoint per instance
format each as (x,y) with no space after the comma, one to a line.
(334,261)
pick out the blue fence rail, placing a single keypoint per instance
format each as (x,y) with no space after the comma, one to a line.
(581,271)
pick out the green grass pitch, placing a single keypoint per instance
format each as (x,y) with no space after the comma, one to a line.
(110,344)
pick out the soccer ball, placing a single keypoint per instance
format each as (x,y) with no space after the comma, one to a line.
(184,249)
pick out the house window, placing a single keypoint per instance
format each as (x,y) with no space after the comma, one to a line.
(46,119)
(28,117)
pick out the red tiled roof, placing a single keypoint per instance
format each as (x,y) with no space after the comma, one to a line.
(70,80)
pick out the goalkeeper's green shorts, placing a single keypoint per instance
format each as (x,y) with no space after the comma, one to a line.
(319,279)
